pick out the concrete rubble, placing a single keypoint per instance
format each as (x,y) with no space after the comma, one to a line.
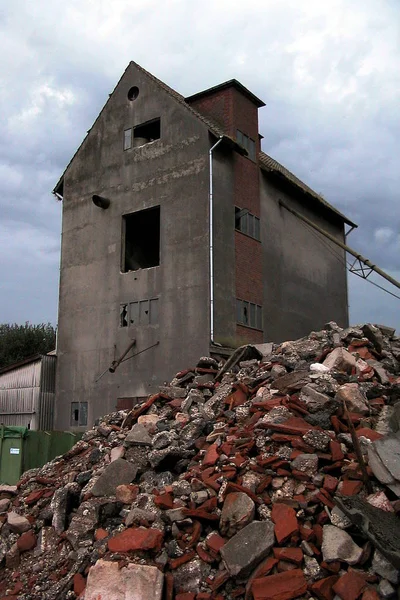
(270,477)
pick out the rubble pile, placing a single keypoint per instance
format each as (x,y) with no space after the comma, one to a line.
(271,477)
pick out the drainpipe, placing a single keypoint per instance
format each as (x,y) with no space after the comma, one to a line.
(210,154)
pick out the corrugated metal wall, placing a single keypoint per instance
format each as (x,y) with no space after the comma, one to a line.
(47,392)
(27,394)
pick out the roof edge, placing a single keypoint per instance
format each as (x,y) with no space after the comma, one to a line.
(270,165)
(227,84)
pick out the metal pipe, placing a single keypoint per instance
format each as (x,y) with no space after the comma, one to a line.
(354,253)
(210,154)
(115,363)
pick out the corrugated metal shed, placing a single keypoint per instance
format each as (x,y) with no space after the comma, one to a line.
(27,391)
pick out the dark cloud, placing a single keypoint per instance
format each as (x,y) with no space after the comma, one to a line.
(329,73)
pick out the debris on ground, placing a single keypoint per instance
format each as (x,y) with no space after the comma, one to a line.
(272,477)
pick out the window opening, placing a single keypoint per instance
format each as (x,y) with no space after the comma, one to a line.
(123,315)
(249,314)
(127,139)
(247,143)
(148,132)
(133,93)
(79,414)
(247,223)
(144,312)
(141,240)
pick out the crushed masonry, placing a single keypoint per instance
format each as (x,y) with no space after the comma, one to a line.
(273,476)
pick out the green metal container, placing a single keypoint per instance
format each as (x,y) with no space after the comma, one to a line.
(22,449)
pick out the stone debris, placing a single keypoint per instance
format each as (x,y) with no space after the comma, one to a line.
(236,481)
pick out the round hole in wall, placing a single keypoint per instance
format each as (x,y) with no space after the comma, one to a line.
(133,93)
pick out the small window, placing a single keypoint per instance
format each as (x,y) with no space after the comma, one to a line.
(141,243)
(247,223)
(79,414)
(247,143)
(133,93)
(127,139)
(148,132)
(144,312)
(249,314)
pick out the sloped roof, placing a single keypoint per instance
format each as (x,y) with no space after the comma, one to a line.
(227,84)
(270,165)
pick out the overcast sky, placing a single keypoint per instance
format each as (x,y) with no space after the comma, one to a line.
(329,73)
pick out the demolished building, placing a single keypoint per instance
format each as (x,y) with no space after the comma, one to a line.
(138,242)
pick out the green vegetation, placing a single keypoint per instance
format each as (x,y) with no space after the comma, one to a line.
(18,342)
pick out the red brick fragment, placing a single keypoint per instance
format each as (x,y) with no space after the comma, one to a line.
(370,594)
(283,586)
(371,434)
(350,585)
(211,456)
(186,596)
(350,488)
(336,451)
(169,586)
(333,567)
(79,584)
(100,534)
(219,580)
(215,542)
(285,521)
(293,555)
(136,539)
(284,565)
(181,560)
(164,501)
(323,588)
(26,541)
(204,555)
(34,496)
(330,483)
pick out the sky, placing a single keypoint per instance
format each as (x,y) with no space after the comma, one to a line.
(329,73)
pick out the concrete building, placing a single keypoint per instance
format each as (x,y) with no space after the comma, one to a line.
(135,258)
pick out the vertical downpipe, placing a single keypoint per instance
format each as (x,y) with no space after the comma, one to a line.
(211,240)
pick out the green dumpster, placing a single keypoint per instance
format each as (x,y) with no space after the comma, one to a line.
(22,449)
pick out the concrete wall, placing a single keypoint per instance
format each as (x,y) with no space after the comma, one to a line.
(171,172)
(305,283)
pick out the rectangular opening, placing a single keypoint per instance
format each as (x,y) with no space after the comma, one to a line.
(148,132)
(127,139)
(247,223)
(141,240)
(247,143)
(144,312)
(249,314)
(79,414)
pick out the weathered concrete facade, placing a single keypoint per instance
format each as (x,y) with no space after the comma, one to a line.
(294,279)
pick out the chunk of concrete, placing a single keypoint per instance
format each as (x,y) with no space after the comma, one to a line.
(384,568)
(247,548)
(118,472)
(17,523)
(354,398)
(340,360)
(237,512)
(337,544)
(138,436)
(106,581)
(388,450)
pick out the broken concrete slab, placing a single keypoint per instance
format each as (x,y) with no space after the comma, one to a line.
(118,472)
(247,548)
(337,544)
(107,581)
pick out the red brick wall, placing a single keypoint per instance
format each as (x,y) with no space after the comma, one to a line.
(249,336)
(232,110)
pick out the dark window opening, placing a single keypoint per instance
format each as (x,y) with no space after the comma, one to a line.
(133,93)
(142,240)
(148,132)
(247,143)
(249,314)
(123,315)
(247,223)
(79,414)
